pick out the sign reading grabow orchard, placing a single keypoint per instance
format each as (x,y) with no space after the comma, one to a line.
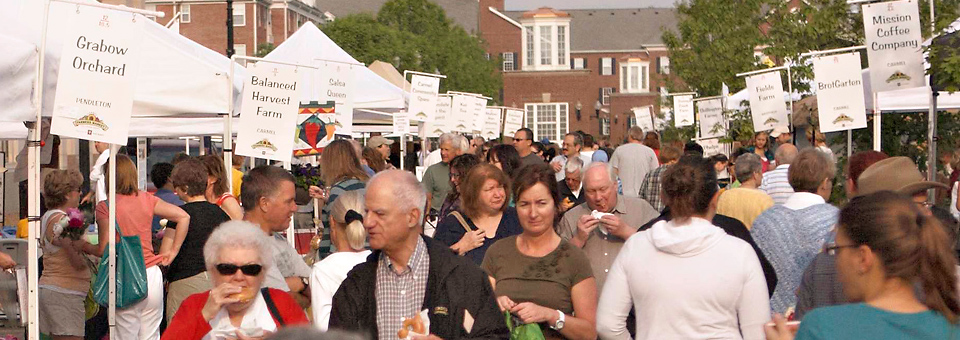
(766,101)
(98,67)
(268,112)
(839,85)
(893,37)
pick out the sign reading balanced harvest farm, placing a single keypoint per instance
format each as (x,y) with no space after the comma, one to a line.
(268,114)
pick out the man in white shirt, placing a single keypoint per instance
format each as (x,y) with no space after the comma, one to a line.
(98,174)
(775,182)
(572,146)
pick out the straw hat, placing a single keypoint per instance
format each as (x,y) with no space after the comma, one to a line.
(897,174)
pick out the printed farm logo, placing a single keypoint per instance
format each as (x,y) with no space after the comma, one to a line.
(91,119)
(264,144)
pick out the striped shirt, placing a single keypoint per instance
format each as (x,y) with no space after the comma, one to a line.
(776,184)
(400,295)
(341,187)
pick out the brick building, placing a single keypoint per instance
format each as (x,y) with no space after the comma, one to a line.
(254,21)
(566,66)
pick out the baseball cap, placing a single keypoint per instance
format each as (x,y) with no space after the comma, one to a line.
(777,131)
(377,141)
(897,174)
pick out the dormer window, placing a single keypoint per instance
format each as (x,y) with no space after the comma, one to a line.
(546,40)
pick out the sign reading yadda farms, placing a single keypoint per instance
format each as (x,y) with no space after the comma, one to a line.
(98,68)
(268,113)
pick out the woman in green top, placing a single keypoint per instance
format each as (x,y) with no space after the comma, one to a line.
(885,244)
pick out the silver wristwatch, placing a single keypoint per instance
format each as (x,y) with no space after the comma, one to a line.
(559,325)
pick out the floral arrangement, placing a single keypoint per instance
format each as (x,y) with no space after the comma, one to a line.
(73,226)
(307,175)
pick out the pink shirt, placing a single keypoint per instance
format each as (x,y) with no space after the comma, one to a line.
(135,217)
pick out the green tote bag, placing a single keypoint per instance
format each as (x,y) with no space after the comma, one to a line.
(131,273)
(522,331)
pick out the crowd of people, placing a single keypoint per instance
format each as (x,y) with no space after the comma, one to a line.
(647,240)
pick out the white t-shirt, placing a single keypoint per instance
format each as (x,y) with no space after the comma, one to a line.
(325,280)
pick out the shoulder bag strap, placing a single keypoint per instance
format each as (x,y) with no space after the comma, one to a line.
(463,222)
(265,292)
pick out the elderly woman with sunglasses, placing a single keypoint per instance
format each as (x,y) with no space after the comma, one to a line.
(237,256)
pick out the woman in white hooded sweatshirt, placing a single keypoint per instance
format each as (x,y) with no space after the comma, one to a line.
(686,278)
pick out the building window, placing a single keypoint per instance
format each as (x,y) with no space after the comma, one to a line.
(579,63)
(606,66)
(561,45)
(605,124)
(663,65)
(546,45)
(635,77)
(631,121)
(605,95)
(507,61)
(548,120)
(240,49)
(529,30)
(240,15)
(486,56)
(184,13)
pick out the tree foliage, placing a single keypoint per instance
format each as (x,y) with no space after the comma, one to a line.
(715,40)
(416,35)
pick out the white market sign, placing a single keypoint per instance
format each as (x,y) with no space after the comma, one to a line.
(337,85)
(269,112)
(463,113)
(512,121)
(98,66)
(711,118)
(443,121)
(839,85)
(766,101)
(892,31)
(423,97)
(683,110)
(479,109)
(491,123)
(644,117)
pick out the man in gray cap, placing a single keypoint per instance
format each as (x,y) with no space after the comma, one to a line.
(382,145)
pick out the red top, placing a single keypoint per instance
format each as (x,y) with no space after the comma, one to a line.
(135,218)
(188,322)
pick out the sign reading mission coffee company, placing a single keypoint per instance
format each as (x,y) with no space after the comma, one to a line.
(96,81)
(892,31)
(268,113)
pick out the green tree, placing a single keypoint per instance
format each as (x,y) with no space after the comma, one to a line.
(715,40)
(416,35)
(263,49)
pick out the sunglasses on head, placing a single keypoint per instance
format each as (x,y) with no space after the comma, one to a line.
(230,269)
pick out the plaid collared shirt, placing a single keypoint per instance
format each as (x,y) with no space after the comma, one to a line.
(650,189)
(400,295)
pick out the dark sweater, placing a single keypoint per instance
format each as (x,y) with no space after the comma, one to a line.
(735,228)
(454,285)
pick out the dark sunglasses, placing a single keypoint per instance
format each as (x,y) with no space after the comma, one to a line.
(230,269)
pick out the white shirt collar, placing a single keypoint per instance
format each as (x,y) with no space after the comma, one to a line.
(256,321)
(802,200)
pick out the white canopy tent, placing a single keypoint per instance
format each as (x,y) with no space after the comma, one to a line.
(309,44)
(179,77)
(18,67)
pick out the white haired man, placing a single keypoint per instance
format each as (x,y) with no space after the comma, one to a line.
(436,180)
(408,273)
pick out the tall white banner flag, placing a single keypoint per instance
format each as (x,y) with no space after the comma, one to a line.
(766,101)
(892,30)
(98,66)
(268,112)
(512,121)
(493,117)
(644,118)
(711,118)
(462,112)
(683,110)
(839,86)
(479,117)
(423,97)
(337,84)
(443,121)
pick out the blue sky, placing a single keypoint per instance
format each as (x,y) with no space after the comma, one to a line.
(521,5)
